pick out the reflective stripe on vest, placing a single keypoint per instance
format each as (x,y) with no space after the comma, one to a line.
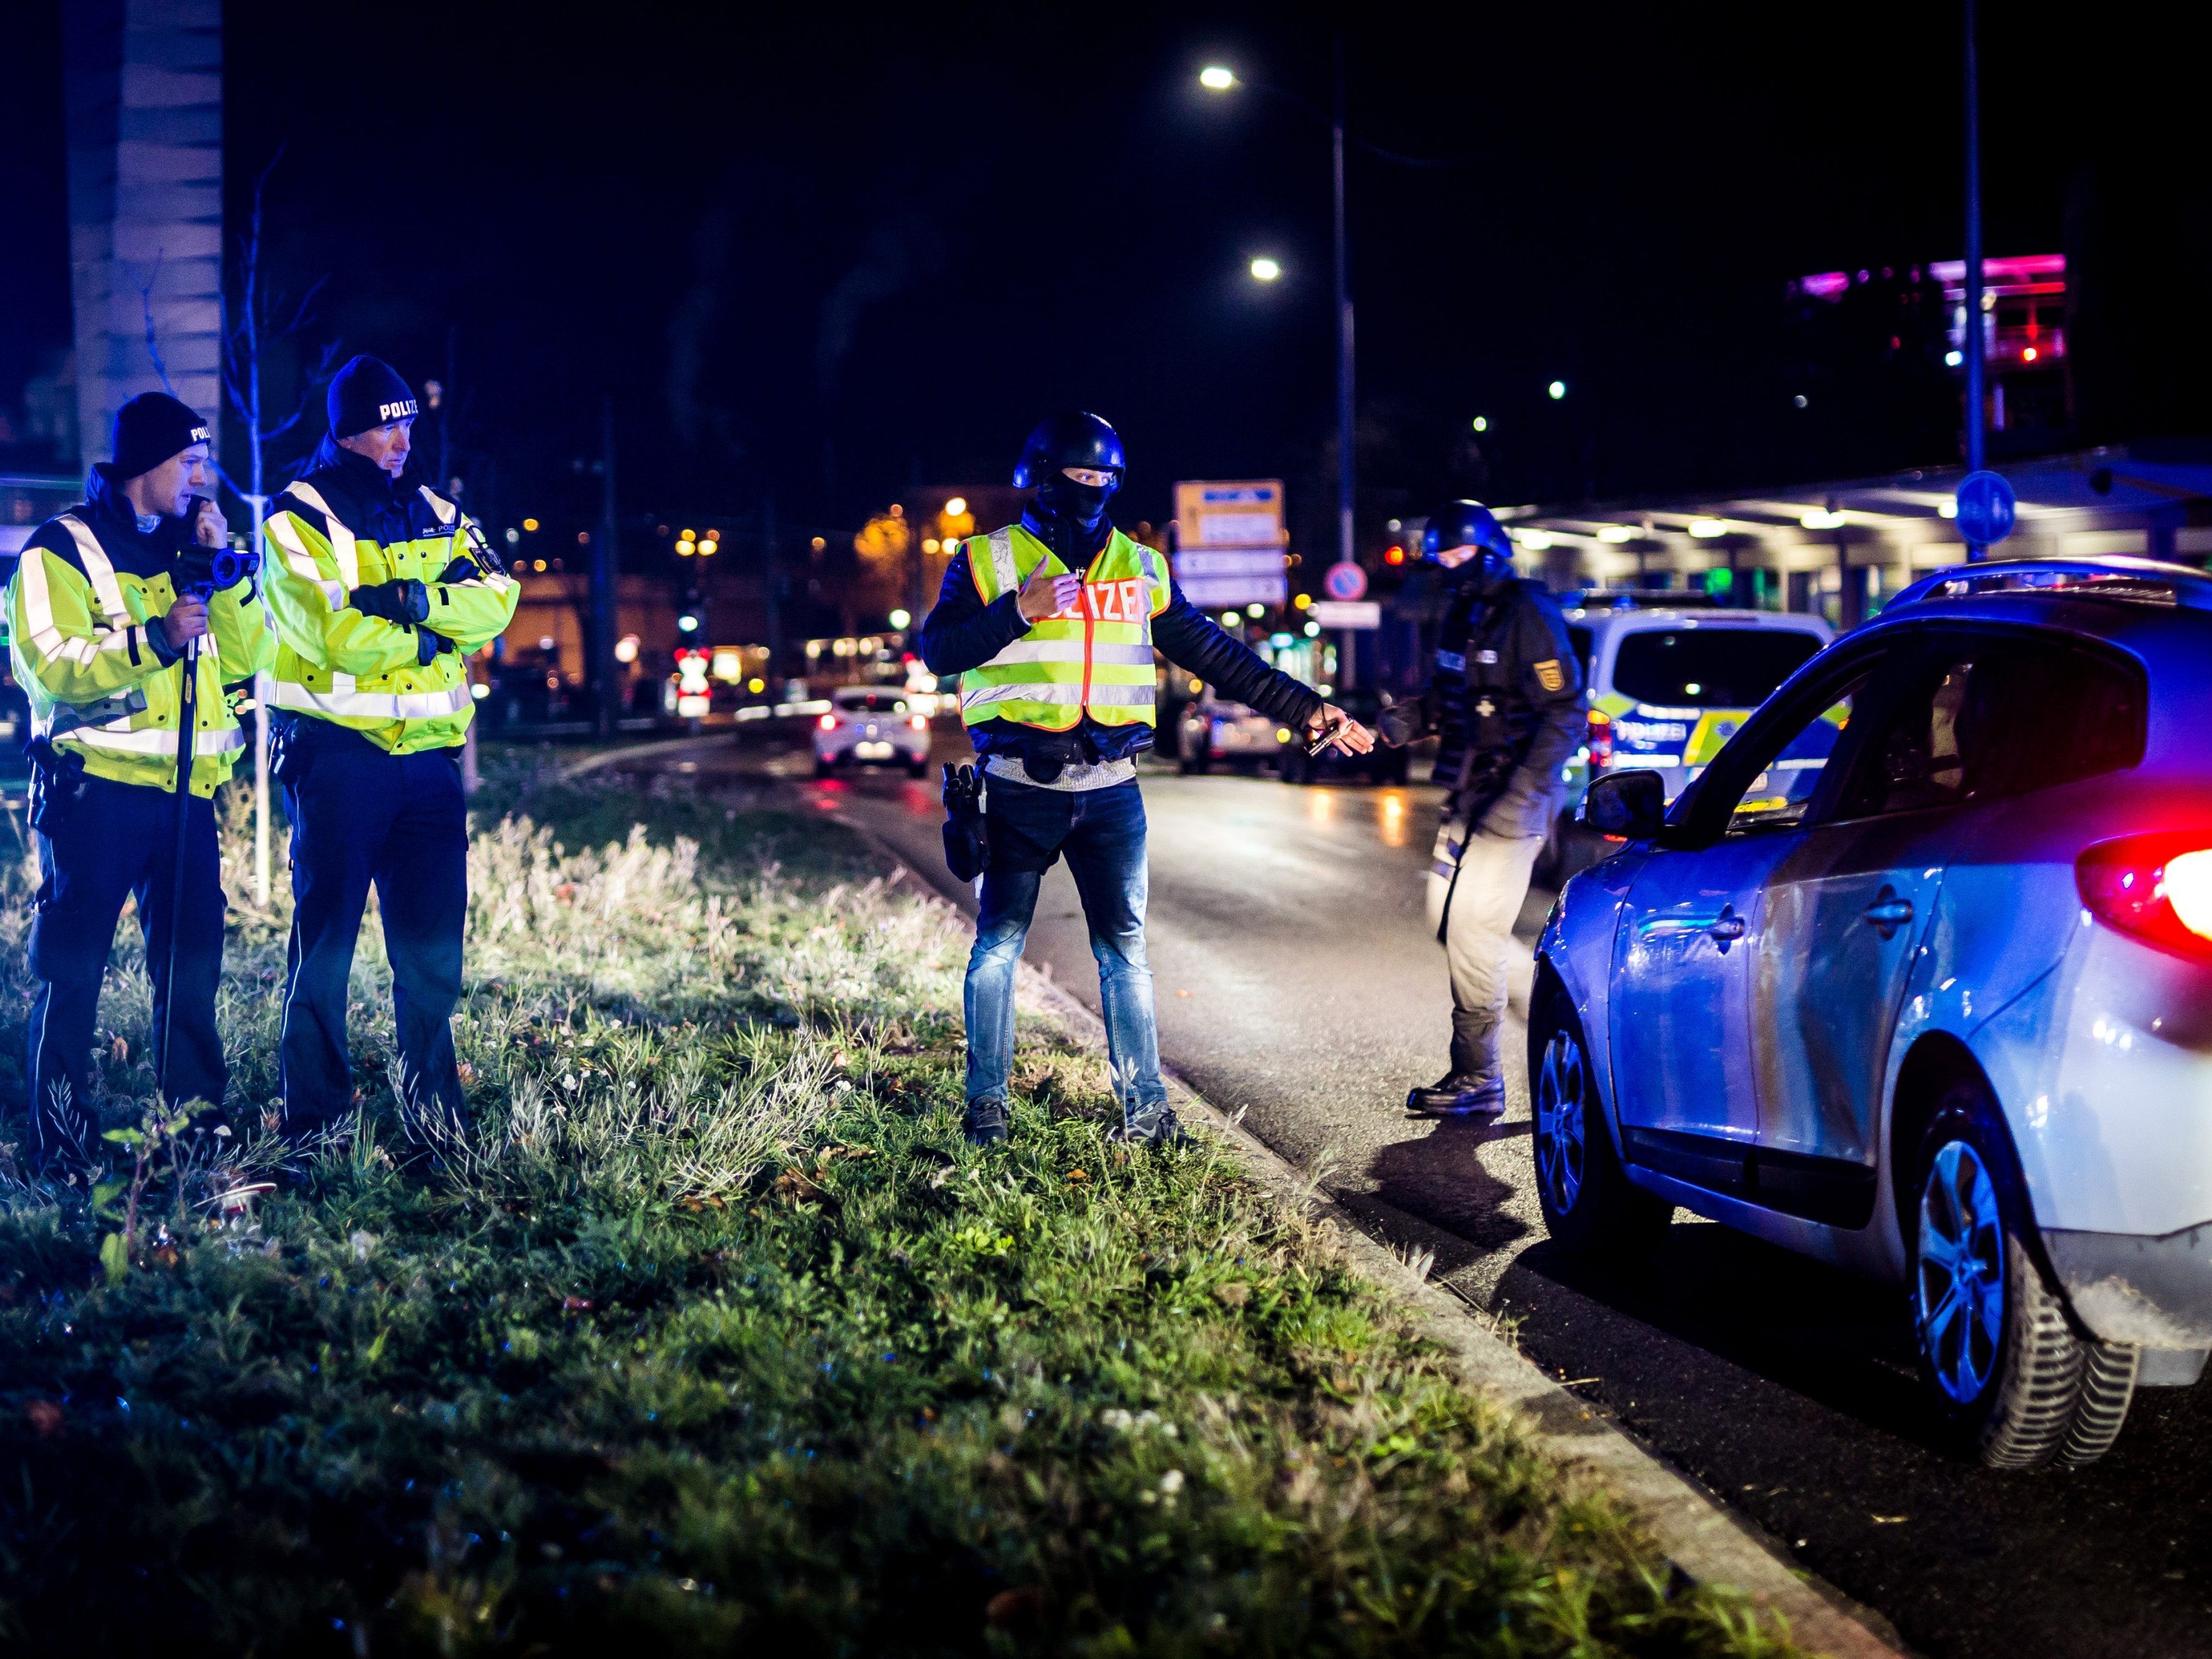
(1095,659)
(156,740)
(343,702)
(343,550)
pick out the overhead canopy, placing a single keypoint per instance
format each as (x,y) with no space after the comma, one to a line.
(2099,502)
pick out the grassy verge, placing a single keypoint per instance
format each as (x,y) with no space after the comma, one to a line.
(714,1337)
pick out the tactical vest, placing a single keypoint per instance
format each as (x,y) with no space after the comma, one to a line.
(1094,659)
(1482,711)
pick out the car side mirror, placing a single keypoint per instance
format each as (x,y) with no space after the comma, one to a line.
(1630,804)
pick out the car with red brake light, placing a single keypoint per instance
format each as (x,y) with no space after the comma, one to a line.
(1916,977)
(871,725)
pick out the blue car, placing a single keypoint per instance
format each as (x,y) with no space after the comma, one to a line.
(1916,978)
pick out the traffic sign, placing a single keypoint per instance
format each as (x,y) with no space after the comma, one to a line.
(1987,508)
(1346,581)
(1344,613)
(1229,540)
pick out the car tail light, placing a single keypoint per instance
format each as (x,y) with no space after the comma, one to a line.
(828,722)
(2154,888)
(918,723)
(1601,740)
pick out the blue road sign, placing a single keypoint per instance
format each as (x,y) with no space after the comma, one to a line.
(1987,508)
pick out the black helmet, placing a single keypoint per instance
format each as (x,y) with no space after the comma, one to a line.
(1466,523)
(1071,438)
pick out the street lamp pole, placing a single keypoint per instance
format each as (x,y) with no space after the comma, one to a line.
(1975,344)
(1344,461)
(1343,422)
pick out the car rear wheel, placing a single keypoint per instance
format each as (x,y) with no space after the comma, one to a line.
(1294,766)
(2017,1385)
(1588,1202)
(823,766)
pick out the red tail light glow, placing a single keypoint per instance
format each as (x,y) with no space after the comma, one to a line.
(2156,888)
(828,723)
(1601,740)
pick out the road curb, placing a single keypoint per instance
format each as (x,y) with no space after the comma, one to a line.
(576,769)
(1698,1534)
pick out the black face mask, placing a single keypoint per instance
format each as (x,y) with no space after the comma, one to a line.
(1483,574)
(1070,519)
(1083,505)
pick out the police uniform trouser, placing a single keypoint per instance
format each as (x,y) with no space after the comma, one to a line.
(117,840)
(1478,935)
(360,815)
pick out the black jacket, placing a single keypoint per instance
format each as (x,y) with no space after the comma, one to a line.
(1533,680)
(963,633)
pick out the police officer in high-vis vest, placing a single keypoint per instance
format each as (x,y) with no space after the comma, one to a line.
(1051,623)
(380,590)
(103,610)
(1505,702)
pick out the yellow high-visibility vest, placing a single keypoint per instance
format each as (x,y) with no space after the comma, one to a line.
(1094,659)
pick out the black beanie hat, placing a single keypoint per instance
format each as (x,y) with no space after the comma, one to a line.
(149,428)
(367,391)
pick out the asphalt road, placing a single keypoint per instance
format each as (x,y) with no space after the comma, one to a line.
(1296,978)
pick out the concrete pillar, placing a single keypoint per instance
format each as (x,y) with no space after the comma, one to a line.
(144,91)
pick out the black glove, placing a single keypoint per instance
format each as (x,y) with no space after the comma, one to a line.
(429,645)
(1399,724)
(407,601)
(463,569)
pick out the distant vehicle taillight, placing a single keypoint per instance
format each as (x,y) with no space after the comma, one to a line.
(828,723)
(916,721)
(1601,740)
(2156,888)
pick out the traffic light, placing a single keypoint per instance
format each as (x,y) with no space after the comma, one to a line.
(691,614)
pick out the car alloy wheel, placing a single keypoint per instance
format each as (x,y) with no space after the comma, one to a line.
(1561,1136)
(1958,1282)
(2020,1385)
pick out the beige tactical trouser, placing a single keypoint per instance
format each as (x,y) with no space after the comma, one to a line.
(1493,879)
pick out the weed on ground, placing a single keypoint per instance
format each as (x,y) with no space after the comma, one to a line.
(712,1336)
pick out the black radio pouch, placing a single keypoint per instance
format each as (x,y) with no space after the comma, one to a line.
(56,784)
(967,839)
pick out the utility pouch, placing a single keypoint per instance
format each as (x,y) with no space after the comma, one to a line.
(288,751)
(967,837)
(57,784)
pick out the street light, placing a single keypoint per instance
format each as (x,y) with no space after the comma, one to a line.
(1557,390)
(1266,270)
(1214,78)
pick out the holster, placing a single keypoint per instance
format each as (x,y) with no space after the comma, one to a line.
(289,744)
(57,784)
(967,837)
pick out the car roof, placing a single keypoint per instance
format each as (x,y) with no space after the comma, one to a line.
(858,693)
(2171,641)
(1607,620)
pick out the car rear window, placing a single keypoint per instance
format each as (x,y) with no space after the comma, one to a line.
(872,703)
(1708,667)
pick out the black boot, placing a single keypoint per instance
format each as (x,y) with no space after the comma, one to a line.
(986,1123)
(1157,1127)
(1459,1094)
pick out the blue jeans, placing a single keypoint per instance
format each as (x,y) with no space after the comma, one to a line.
(1101,834)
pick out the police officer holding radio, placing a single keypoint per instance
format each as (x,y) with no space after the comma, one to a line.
(111,604)
(1505,700)
(379,591)
(1052,624)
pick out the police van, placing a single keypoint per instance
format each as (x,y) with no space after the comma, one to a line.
(1668,686)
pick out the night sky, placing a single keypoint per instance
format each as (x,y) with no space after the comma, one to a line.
(831,253)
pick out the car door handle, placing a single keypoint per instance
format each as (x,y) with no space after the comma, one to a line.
(1890,912)
(1726,927)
